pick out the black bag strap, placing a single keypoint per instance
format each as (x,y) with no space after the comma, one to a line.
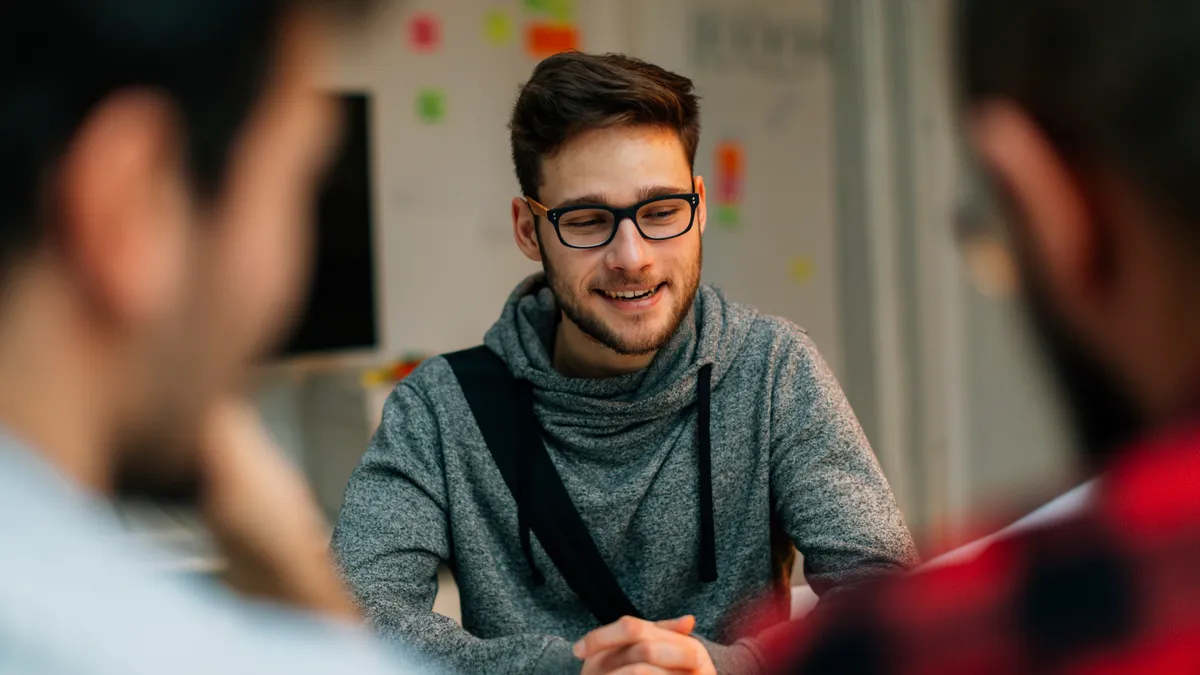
(503,409)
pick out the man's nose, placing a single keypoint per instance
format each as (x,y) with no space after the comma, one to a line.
(628,250)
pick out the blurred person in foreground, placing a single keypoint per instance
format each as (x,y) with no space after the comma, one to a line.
(1086,117)
(157,158)
(694,437)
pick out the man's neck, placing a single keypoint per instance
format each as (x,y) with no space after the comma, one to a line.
(577,354)
(51,398)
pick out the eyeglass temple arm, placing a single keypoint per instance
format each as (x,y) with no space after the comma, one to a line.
(536,207)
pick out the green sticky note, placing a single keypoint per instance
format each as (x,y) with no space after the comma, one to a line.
(535,5)
(498,28)
(729,215)
(560,10)
(431,105)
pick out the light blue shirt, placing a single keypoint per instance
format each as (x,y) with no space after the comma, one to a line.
(78,595)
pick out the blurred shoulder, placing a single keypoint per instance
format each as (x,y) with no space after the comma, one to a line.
(430,378)
(783,342)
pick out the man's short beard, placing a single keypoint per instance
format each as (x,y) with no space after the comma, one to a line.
(596,329)
(150,471)
(157,452)
(1104,415)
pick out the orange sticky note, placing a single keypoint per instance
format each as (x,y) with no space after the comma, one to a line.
(730,161)
(731,158)
(547,39)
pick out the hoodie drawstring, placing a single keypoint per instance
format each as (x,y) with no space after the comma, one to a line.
(708,540)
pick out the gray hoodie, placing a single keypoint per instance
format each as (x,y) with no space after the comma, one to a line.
(784,443)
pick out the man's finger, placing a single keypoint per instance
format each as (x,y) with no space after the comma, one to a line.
(684,625)
(671,655)
(641,669)
(620,633)
(628,631)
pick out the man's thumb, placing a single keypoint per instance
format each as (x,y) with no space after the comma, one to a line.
(684,625)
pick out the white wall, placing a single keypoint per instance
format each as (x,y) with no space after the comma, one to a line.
(443,191)
(446,257)
(1018,449)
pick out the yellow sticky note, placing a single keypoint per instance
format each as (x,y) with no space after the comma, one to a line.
(800,269)
(498,28)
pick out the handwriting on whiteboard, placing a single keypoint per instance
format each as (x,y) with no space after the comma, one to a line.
(755,42)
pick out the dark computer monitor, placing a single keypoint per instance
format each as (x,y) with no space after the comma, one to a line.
(341,313)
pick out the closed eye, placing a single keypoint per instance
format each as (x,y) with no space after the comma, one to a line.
(584,223)
(662,213)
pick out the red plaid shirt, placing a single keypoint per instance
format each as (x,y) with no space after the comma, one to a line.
(1114,591)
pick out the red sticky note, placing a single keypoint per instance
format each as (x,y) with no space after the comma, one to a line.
(424,33)
(731,171)
(729,189)
(547,39)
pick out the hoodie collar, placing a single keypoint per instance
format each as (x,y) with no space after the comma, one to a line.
(711,333)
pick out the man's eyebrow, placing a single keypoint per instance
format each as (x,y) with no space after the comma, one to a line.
(588,200)
(656,191)
(648,192)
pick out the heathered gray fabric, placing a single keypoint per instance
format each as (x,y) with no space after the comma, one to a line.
(784,440)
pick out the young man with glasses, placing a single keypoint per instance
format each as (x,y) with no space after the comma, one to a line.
(628,446)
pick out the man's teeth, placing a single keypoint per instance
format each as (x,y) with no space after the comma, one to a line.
(631,295)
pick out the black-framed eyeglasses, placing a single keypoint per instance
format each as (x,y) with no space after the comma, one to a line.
(595,225)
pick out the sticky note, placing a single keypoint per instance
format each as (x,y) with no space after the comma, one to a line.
(731,157)
(497,28)
(729,189)
(730,164)
(431,105)
(800,269)
(560,10)
(535,5)
(424,33)
(729,215)
(544,39)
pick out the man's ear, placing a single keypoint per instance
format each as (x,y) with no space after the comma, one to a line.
(524,223)
(124,207)
(1055,226)
(702,207)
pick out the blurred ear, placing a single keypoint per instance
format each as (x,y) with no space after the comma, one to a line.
(123,208)
(702,208)
(1054,224)
(523,230)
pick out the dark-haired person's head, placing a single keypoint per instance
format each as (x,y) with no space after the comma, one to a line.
(616,132)
(157,160)
(1086,118)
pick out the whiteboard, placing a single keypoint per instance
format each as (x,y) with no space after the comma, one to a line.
(446,258)
(763,71)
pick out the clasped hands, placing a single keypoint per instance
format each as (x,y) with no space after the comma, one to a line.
(632,646)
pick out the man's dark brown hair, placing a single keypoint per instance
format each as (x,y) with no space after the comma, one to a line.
(573,92)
